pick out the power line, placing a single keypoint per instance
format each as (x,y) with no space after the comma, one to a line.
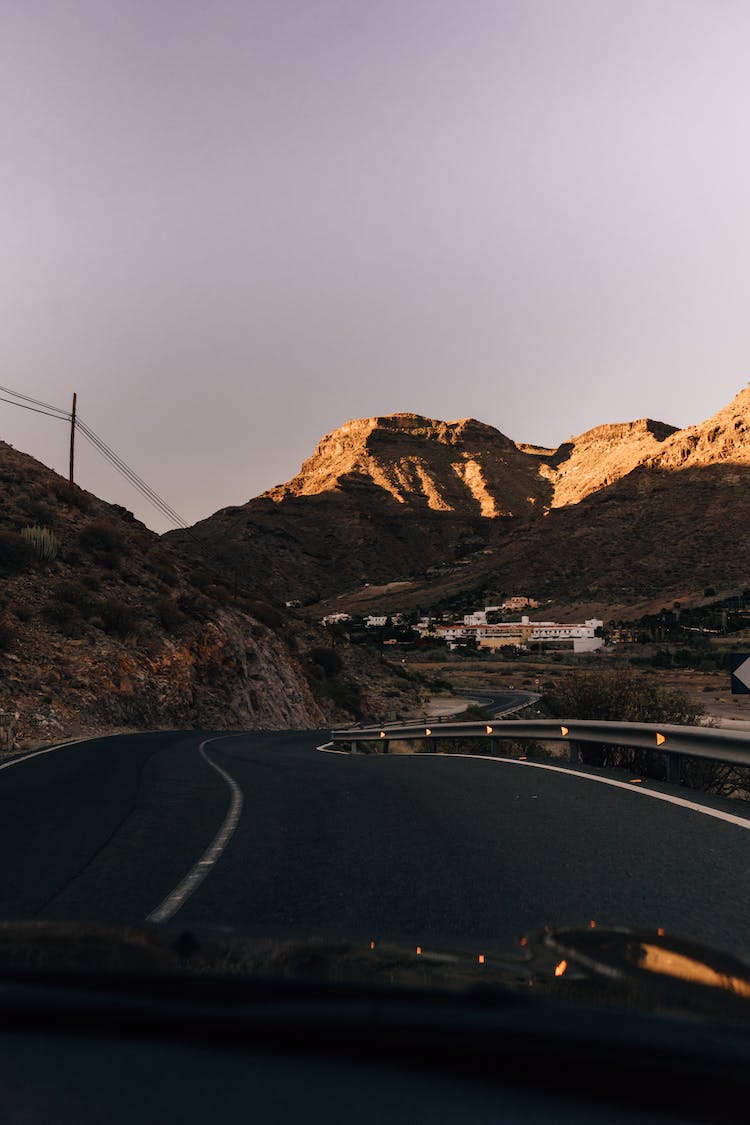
(59,417)
(98,443)
(131,476)
(117,462)
(27,398)
(141,484)
(145,489)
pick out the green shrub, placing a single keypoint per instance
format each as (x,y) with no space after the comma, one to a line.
(74,593)
(328,659)
(65,618)
(119,619)
(165,573)
(201,579)
(74,496)
(169,616)
(101,535)
(474,714)
(345,694)
(194,606)
(17,555)
(264,613)
(621,696)
(41,513)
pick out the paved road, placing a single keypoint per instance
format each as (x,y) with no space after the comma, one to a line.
(496,702)
(432,849)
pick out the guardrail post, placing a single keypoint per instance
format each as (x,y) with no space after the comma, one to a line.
(353,747)
(575,753)
(673,768)
(494,747)
(385,746)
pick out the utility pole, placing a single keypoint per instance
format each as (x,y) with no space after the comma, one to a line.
(72,438)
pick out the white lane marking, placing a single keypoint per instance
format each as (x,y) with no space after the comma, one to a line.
(195,876)
(693,805)
(49,749)
(327,748)
(73,742)
(681,801)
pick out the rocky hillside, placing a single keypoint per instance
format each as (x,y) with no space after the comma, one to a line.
(379,498)
(723,440)
(103,627)
(464,468)
(600,457)
(619,511)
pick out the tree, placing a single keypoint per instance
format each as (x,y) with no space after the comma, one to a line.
(620,696)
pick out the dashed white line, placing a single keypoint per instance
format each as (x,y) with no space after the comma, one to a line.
(195,876)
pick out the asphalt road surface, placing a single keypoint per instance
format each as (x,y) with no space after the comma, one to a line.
(497,702)
(432,849)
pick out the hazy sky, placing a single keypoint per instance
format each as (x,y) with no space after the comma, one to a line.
(233,225)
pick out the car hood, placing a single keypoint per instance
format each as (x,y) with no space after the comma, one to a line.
(600,965)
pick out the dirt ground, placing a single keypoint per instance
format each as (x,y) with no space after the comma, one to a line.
(708,690)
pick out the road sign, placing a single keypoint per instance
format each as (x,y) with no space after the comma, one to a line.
(739,664)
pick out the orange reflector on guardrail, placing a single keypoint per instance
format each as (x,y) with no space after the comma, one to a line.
(427,730)
(563,731)
(660,738)
(382,734)
(560,968)
(488,728)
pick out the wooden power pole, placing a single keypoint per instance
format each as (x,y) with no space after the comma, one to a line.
(72,438)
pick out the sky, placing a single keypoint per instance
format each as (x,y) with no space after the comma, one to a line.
(230,226)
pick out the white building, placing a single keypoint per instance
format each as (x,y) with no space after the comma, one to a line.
(552,631)
(334,618)
(478,618)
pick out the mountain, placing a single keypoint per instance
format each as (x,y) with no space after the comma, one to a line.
(601,456)
(723,440)
(464,468)
(379,498)
(618,513)
(103,628)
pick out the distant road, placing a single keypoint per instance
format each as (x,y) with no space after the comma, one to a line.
(498,701)
(420,848)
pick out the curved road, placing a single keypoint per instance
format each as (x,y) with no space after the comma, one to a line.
(497,702)
(436,849)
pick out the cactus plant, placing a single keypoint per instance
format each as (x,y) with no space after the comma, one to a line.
(43,540)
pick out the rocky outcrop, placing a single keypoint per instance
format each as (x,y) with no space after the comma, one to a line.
(111,630)
(601,456)
(617,511)
(722,440)
(379,498)
(463,467)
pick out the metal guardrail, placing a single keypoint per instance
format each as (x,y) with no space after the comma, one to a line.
(674,741)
